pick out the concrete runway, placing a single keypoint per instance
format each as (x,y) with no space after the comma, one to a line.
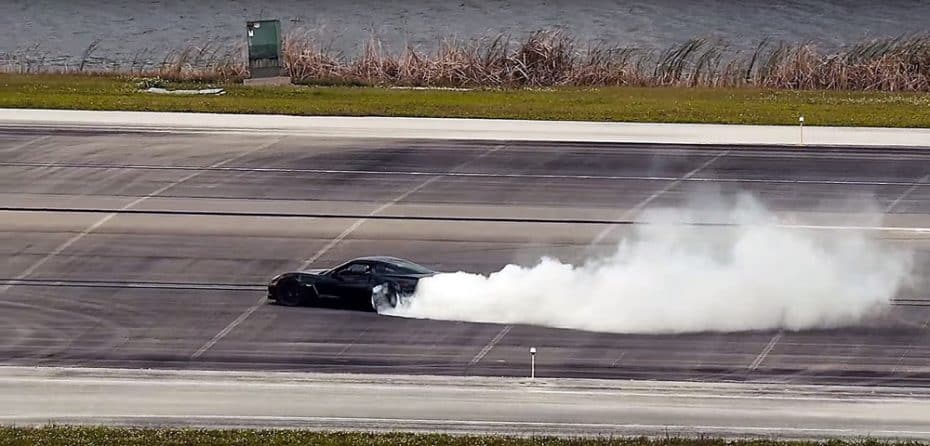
(96,274)
(561,407)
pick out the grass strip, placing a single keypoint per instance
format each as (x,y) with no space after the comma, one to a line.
(627,104)
(106,436)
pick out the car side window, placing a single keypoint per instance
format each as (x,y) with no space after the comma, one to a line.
(382,268)
(355,269)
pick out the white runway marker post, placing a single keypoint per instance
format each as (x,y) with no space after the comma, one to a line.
(532,362)
(801,122)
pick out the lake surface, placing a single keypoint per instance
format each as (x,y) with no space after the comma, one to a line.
(59,31)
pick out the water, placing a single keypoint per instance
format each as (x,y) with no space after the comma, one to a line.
(129,29)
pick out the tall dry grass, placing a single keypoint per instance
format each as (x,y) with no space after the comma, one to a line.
(549,58)
(545,58)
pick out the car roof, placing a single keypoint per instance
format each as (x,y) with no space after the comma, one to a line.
(396,261)
(385,259)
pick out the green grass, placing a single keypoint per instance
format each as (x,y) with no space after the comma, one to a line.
(104,436)
(688,105)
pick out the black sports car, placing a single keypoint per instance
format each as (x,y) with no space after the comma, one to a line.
(371,283)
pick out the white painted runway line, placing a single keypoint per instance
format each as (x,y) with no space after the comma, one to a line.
(102,221)
(906,193)
(630,213)
(529,176)
(329,246)
(359,222)
(228,328)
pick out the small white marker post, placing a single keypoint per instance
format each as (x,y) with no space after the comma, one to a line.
(801,121)
(533,363)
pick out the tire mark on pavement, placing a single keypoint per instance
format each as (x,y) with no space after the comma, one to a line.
(765,351)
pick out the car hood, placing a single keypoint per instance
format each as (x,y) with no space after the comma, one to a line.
(314,271)
(409,276)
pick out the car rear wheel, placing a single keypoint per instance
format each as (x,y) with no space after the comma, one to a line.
(383,297)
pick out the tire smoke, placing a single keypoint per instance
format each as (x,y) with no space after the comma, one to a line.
(670,277)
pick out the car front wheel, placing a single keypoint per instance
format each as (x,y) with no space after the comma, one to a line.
(289,294)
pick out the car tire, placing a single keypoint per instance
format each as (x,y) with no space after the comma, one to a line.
(384,296)
(289,294)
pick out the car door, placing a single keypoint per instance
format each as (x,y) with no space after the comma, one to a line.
(353,282)
(326,285)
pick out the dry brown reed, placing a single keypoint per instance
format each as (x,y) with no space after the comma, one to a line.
(550,58)
(547,58)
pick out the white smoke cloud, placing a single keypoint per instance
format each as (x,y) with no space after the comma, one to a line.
(674,278)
